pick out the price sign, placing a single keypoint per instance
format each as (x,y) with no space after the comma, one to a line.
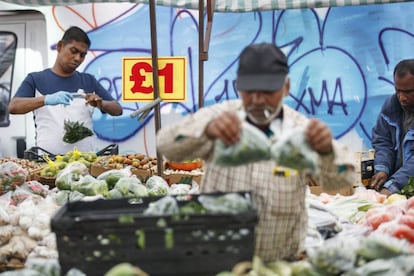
(137,84)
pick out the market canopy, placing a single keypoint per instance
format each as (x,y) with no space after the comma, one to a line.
(220,5)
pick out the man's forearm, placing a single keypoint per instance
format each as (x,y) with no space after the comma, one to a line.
(24,105)
(111,107)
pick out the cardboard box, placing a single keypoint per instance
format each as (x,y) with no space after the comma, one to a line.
(96,170)
(142,174)
(175,178)
(364,166)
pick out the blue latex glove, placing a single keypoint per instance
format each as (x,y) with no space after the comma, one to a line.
(60,97)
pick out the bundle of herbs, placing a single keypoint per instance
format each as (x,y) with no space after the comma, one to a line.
(408,190)
(75,131)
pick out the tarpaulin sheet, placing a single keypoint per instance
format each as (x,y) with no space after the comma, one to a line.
(221,5)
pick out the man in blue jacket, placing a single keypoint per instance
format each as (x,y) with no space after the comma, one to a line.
(393,134)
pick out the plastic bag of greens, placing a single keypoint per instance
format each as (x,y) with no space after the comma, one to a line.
(64,196)
(253,146)
(167,205)
(231,203)
(71,174)
(291,150)
(90,186)
(129,187)
(157,186)
(179,189)
(112,176)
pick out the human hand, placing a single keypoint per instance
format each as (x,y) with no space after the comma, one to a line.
(225,127)
(319,137)
(377,180)
(60,97)
(93,100)
(385,192)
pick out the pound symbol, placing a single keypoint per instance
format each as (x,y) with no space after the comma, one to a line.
(138,77)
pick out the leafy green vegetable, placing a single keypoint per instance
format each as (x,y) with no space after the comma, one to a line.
(75,131)
(232,203)
(333,259)
(140,238)
(408,190)
(169,238)
(377,246)
(90,186)
(130,187)
(125,269)
(253,146)
(292,151)
(157,186)
(191,208)
(112,176)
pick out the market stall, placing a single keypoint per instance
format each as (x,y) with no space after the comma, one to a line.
(84,217)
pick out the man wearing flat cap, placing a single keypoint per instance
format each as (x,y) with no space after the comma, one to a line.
(263,82)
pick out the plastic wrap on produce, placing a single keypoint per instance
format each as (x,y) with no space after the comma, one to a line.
(11,176)
(291,150)
(252,147)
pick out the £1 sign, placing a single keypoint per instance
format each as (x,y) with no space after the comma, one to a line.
(137,79)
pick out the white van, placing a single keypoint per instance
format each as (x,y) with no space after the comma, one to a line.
(22,50)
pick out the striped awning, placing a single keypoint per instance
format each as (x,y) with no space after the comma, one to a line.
(220,5)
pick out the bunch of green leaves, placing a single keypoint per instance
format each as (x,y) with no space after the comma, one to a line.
(253,146)
(75,131)
(408,190)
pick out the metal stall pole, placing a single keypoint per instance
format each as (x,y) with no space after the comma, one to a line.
(202,56)
(203,44)
(154,51)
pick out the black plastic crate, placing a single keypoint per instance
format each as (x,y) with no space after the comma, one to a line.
(37,153)
(112,149)
(95,236)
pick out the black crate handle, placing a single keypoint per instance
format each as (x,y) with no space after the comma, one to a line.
(33,154)
(112,149)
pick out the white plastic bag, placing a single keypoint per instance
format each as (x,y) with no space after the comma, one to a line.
(253,146)
(291,150)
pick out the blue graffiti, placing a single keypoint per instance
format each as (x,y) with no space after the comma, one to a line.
(341,59)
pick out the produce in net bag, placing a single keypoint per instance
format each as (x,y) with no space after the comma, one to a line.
(71,174)
(112,176)
(130,186)
(253,146)
(291,150)
(230,203)
(157,186)
(90,186)
(164,206)
(11,176)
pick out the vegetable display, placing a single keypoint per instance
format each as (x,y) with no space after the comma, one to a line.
(52,168)
(136,160)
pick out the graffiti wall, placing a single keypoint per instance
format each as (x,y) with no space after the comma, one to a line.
(341,60)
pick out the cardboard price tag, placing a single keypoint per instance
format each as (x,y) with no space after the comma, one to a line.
(137,79)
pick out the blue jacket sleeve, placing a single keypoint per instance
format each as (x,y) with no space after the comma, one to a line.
(384,144)
(400,178)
